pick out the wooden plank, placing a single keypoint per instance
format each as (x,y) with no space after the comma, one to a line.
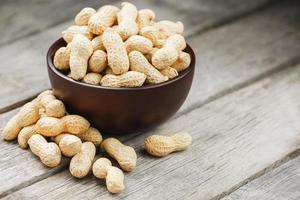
(264,58)
(281,183)
(27,69)
(235,139)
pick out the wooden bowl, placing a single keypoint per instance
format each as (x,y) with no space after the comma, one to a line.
(121,110)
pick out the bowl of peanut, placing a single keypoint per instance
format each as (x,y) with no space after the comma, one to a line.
(120,69)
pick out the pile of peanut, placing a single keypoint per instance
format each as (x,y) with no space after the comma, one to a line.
(122,47)
(50,132)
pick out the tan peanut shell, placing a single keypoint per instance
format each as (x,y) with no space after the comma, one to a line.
(92,78)
(153,34)
(62,58)
(103,169)
(108,70)
(70,32)
(75,124)
(139,63)
(138,43)
(98,61)
(82,18)
(150,54)
(169,28)
(91,135)
(97,43)
(168,54)
(28,115)
(81,50)
(49,153)
(81,163)
(69,145)
(104,18)
(124,155)
(24,136)
(160,145)
(126,20)
(183,61)
(128,79)
(52,106)
(116,51)
(145,18)
(169,72)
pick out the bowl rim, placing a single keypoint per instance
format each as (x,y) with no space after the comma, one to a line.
(181,75)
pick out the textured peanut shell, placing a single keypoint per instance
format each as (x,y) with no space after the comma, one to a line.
(24,136)
(153,34)
(62,58)
(108,70)
(160,145)
(97,43)
(139,63)
(98,61)
(70,32)
(169,72)
(145,18)
(138,43)
(75,124)
(49,126)
(81,163)
(183,61)
(169,28)
(92,78)
(104,18)
(150,54)
(82,18)
(100,167)
(52,106)
(91,135)
(128,79)
(116,51)
(124,155)
(69,145)
(126,20)
(49,153)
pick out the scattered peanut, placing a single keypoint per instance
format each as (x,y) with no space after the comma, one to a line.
(160,145)
(49,153)
(52,106)
(139,63)
(92,78)
(69,144)
(145,18)
(82,18)
(128,79)
(183,62)
(70,32)
(126,20)
(91,135)
(138,43)
(125,155)
(98,61)
(103,169)
(24,136)
(169,72)
(81,163)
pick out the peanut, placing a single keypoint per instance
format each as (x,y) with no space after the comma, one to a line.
(81,163)
(98,61)
(126,20)
(70,32)
(125,155)
(91,135)
(97,43)
(150,54)
(128,79)
(160,145)
(108,70)
(153,34)
(168,54)
(49,153)
(69,144)
(81,50)
(183,61)
(82,18)
(92,78)
(139,63)
(24,136)
(62,58)
(104,18)
(169,28)
(116,51)
(50,126)
(102,168)
(28,115)
(138,43)
(145,18)
(169,72)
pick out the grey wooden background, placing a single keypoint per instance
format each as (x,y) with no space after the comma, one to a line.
(243,110)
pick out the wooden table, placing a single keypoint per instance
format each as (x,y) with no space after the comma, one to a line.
(243,110)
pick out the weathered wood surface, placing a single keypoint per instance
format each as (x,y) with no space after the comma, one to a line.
(235,139)
(264,58)
(28,68)
(280,184)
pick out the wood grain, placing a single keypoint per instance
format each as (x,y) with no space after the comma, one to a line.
(235,138)
(27,68)
(280,184)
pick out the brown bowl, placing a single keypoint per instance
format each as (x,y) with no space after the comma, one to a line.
(121,110)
